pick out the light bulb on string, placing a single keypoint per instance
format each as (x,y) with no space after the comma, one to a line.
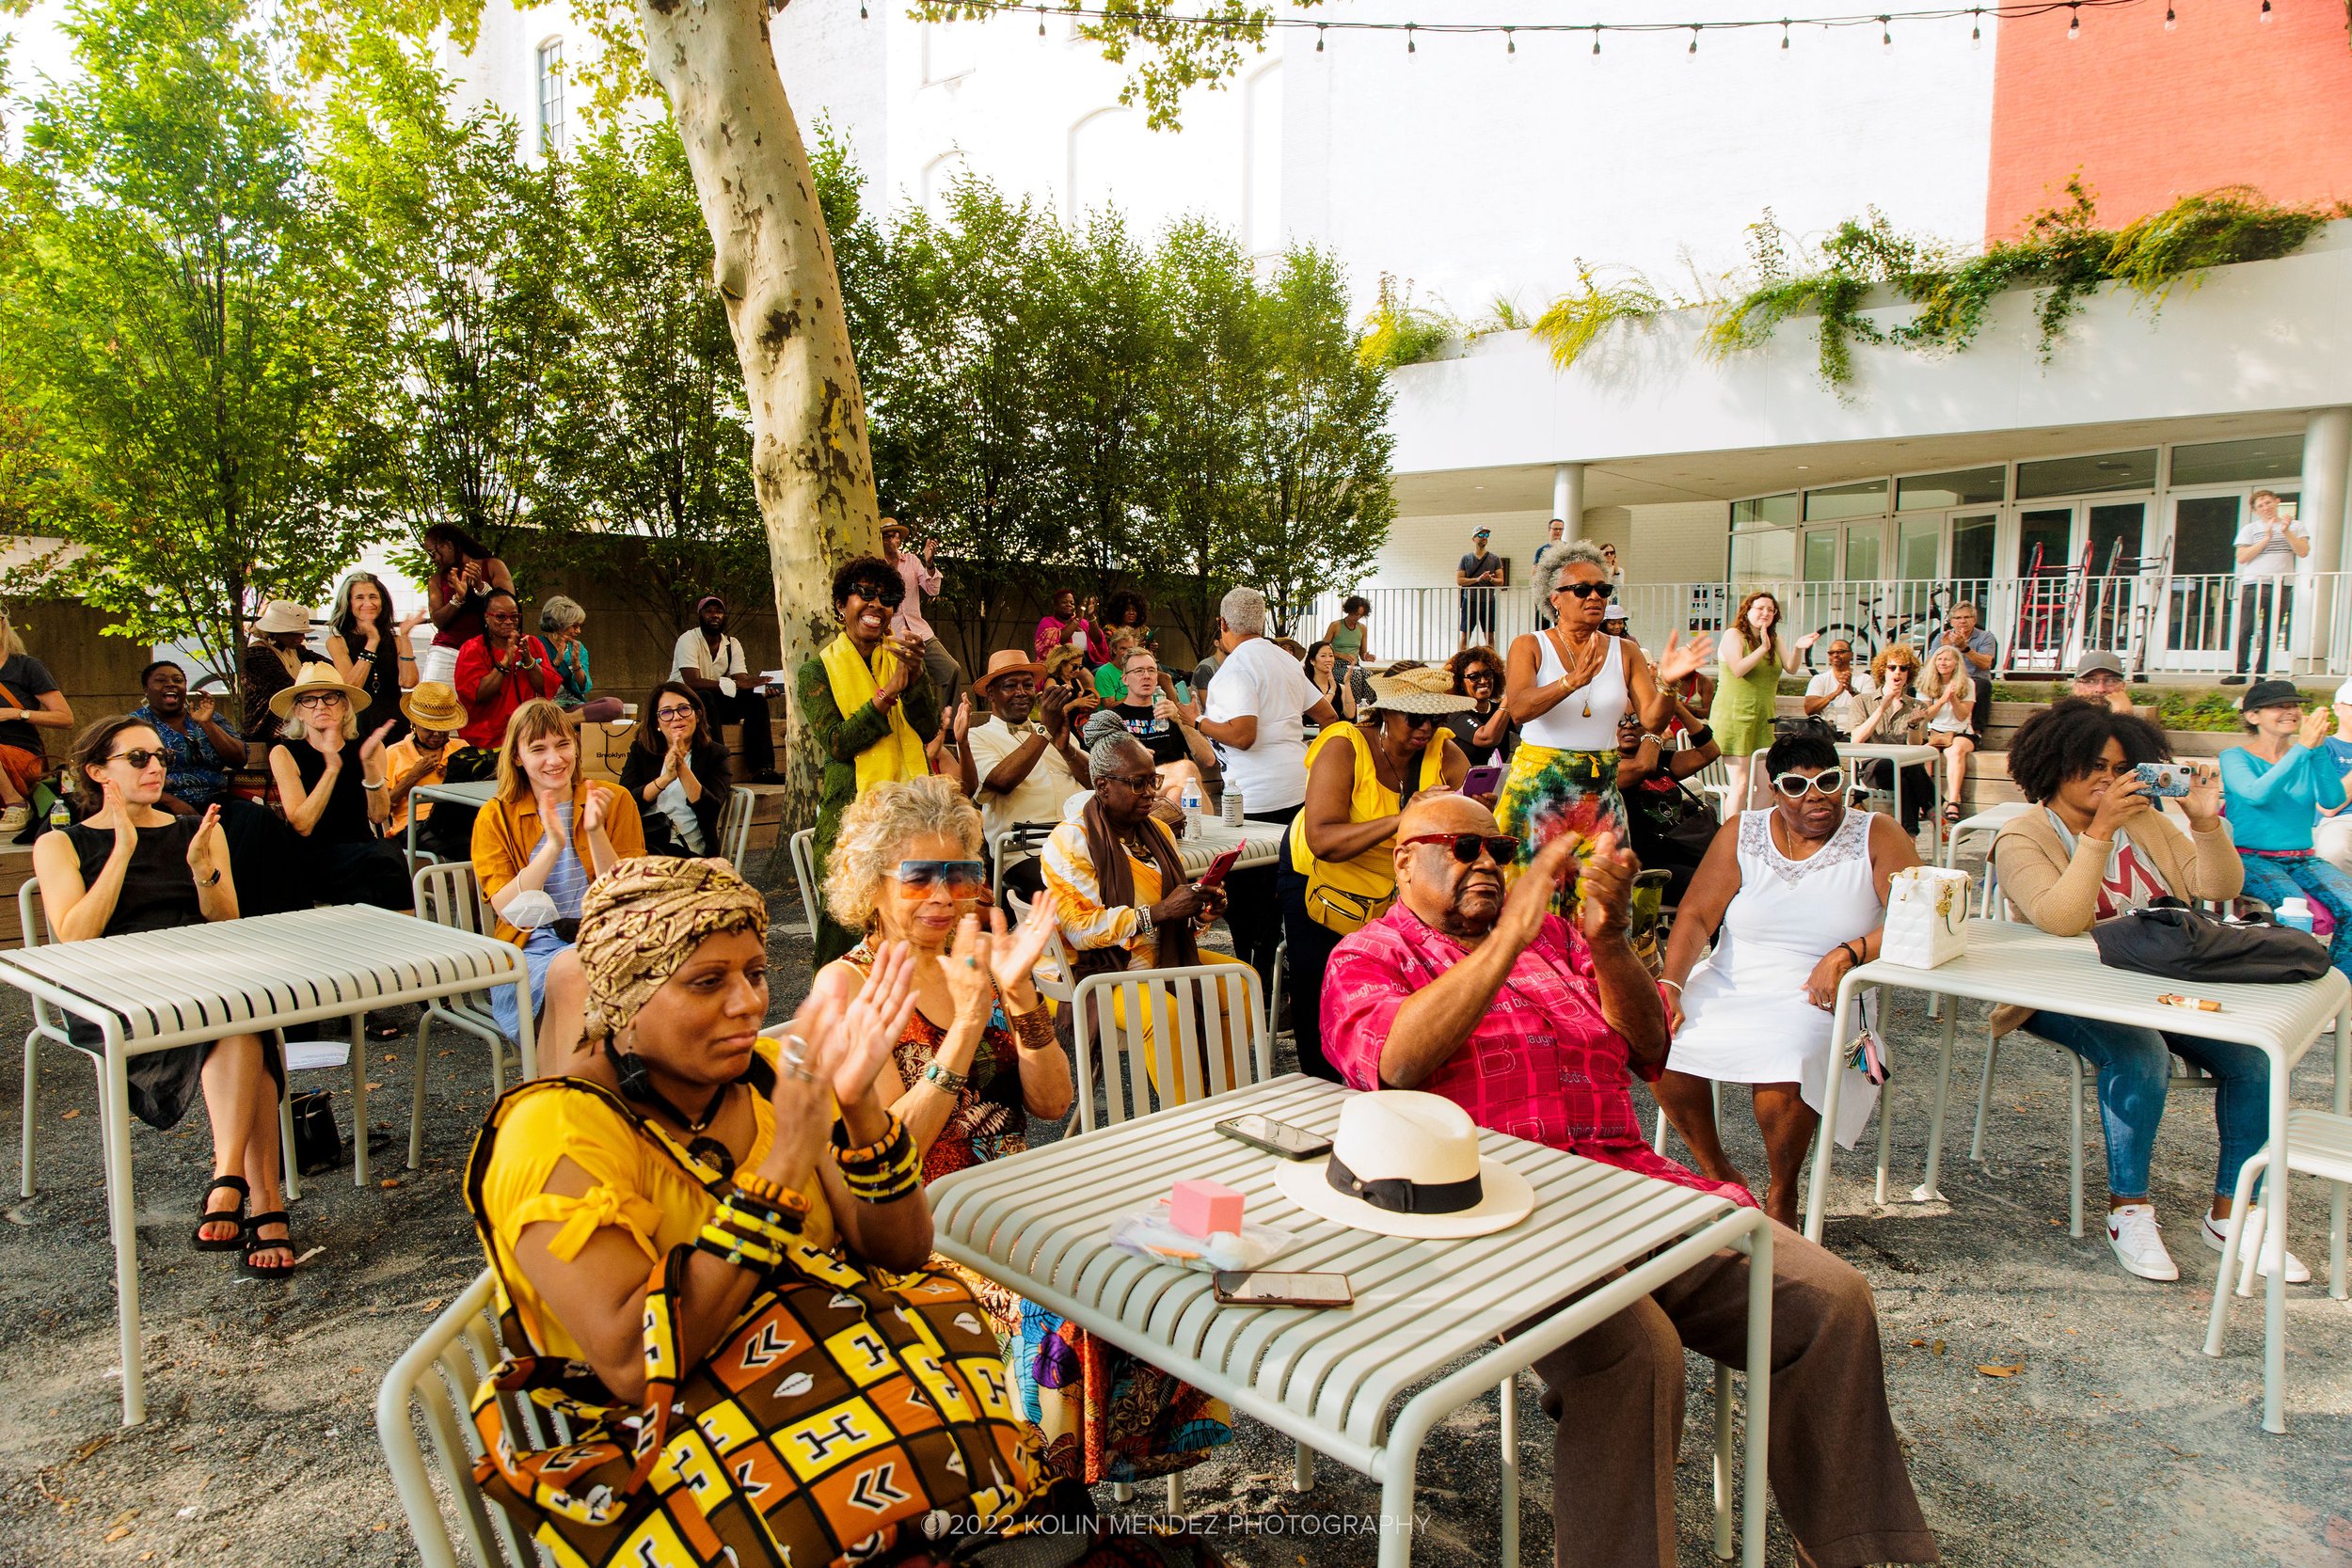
(1318,38)
(1041,22)
(2074,19)
(1783,35)
(1408,36)
(2265,10)
(1886,34)
(1694,38)
(861,10)
(1510,44)
(2170,22)
(1597,38)
(1976,29)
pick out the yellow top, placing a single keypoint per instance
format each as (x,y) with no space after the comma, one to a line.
(1372,872)
(639,1187)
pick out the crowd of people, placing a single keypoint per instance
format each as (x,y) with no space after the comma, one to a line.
(1473,858)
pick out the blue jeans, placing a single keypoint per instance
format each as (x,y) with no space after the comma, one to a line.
(2275,881)
(2132,1065)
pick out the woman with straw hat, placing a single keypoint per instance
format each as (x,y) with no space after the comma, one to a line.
(336,796)
(271,660)
(1341,869)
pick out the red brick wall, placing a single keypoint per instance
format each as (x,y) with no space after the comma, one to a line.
(2149,116)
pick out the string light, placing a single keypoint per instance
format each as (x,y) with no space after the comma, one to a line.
(2265,10)
(1128,21)
(1041,22)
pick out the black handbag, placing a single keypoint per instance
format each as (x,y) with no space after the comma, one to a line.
(318,1143)
(2173,942)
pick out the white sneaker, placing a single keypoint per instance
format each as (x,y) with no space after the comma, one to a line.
(13,819)
(2131,1232)
(2218,1237)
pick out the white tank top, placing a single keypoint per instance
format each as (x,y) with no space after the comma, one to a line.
(1586,720)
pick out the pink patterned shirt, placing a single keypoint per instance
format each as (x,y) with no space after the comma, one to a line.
(1543,1063)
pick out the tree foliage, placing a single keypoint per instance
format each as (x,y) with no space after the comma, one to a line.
(169,320)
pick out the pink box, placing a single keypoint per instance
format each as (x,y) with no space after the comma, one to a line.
(1204,1207)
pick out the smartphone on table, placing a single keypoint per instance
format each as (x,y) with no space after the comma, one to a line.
(1269,1288)
(1276,1137)
(1220,866)
(2167,779)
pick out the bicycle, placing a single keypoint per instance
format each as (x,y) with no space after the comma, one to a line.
(1920,628)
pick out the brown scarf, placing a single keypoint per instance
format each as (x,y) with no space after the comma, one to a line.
(1177,946)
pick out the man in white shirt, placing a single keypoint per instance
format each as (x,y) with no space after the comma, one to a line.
(1841,694)
(921,577)
(1015,769)
(710,662)
(2268,549)
(1253,712)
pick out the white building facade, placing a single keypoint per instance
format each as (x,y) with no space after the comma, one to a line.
(2086,501)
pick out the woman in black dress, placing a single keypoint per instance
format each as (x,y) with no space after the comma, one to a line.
(336,796)
(132,866)
(370,651)
(678,775)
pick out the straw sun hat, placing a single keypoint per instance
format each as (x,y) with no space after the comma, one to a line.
(1427,690)
(434,705)
(318,677)
(1406,1164)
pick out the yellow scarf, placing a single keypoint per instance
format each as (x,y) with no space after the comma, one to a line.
(854,683)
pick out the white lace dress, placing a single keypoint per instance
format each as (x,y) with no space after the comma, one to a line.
(1745,1016)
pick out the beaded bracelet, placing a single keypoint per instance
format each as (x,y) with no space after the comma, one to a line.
(775,1195)
(866,1154)
(884,1170)
(735,1249)
(778,1228)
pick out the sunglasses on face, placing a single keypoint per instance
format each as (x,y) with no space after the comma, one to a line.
(1832,783)
(1139,782)
(140,759)
(1500,847)
(963,877)
(1589,590)
(874,592)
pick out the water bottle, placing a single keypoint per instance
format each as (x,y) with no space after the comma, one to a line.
(1192,806)
(2294,913)
(60,814)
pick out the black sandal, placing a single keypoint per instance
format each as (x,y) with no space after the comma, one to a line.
(255,1242)
(234,1241)
(380,1026)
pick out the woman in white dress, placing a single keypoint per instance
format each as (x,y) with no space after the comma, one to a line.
(1793,899)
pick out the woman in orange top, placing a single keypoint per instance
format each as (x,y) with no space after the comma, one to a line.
(543,837)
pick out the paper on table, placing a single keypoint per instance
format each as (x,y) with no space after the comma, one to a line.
(315,1054)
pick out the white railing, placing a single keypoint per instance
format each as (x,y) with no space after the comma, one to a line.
(2155,624)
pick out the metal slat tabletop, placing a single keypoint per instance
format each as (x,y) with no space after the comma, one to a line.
(477,792)
(1355,1384)
(154,990)
(1260,843)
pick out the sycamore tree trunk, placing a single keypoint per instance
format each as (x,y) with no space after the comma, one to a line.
(774,268)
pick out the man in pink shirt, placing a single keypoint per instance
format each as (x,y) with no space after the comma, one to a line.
(1535,1026)
(921,577)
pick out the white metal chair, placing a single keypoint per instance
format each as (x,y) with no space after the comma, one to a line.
(32,918)
(805,873)
(448,894)
(2319,1143)
(1052,973)
(1023,841)
(735,827)
(1141,1064)
(1720,785)
(432,1385)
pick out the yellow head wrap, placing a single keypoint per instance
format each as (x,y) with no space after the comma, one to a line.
(642,919)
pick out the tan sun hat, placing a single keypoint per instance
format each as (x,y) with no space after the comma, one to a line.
(319,677)
(1006,661)
(279,616)
(1427,690)
(1406,1164)
(434,705)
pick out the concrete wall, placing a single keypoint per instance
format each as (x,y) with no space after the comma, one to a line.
(98,673)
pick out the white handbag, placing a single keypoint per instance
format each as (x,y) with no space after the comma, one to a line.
(1927,917)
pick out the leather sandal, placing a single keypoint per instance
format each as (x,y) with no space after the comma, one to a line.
(234,1241)
(255,1242)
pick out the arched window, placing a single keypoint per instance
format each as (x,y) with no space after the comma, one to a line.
(550,78)
(938,176)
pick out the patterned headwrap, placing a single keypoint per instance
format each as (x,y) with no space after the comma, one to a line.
(645,918)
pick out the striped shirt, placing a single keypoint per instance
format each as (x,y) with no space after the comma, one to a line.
(1077,894)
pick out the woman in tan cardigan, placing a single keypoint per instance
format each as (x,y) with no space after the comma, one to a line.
(2100,846)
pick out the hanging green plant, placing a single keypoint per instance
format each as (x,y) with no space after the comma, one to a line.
(1570,325)
(1398,332)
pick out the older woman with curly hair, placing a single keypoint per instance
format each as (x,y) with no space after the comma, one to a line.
(975,1059)
(698,1202)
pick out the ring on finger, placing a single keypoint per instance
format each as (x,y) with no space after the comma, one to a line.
(795,1051)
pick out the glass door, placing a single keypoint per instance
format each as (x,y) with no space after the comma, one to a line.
(2114,595)
(2198,613)
(1821,596)
(2045,569)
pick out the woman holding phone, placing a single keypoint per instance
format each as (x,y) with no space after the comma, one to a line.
(1338,868)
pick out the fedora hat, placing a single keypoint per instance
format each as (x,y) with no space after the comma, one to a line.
(1406,1164)
(434,705)
(281,615)
(318,677)
(1008,661)
(1425,690)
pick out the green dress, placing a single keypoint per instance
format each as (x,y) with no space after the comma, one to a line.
(1742,715)
(841,737)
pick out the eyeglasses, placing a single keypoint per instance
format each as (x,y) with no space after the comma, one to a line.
(1480,678)
(963,877)
(1139,782)
(1588,590)
(673,713)
(140,757)
(1841,653)
(1832,783)
(317,699)
(1414,720)
(1500,848)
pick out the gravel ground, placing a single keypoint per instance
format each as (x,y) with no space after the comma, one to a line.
(2117,1443)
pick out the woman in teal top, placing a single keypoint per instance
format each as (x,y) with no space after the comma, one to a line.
(1747,685)
(1346,634)
(2274,787)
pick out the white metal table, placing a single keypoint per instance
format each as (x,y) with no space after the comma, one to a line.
(1361,1385)
(2008,961)
(1901,757)
(478,793)
(153,990)
(1260,843)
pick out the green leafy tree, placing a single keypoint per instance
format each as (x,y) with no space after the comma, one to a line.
(171,326)
(652,440)
(457,252)
(1105,331)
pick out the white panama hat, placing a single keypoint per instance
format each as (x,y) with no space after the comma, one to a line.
(1406,1164)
